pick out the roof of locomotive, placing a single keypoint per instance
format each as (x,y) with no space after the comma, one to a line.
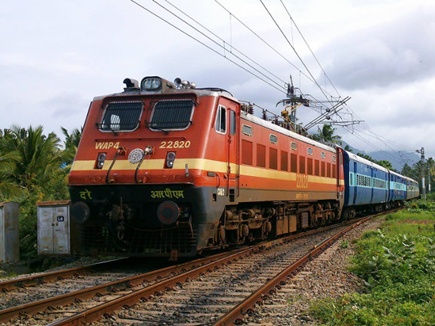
(199,92)
(284,131)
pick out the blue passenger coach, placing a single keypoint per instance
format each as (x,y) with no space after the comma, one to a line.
(397,187)
(366,183)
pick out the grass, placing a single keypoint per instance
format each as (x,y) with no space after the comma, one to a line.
(397,264)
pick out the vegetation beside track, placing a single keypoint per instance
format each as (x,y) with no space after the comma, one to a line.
(397,264)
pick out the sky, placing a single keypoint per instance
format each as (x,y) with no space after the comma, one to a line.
(56,55)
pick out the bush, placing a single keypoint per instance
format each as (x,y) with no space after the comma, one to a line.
(398,267)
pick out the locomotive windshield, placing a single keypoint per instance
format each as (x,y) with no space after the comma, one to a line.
(172,114)
(121,116)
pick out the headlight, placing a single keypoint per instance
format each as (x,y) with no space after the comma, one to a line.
(151,84)
(170,158)
(100,160)
(135,156)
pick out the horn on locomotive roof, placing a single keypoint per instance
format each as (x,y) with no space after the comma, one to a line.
(131,84)
(185,84)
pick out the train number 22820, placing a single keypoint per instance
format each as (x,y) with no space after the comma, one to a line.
(175,144)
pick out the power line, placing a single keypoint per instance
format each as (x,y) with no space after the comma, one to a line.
(203,34)
(294,50)
(223,41)
(264,41)
(309,47)
(205,45)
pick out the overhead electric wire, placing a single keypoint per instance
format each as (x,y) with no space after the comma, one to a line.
(217,43)
(294,50)
(309,47)
(222,40)
(205,45)
(264,41)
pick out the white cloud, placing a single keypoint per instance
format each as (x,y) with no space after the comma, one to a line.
(57,55)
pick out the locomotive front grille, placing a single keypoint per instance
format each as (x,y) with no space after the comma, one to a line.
(158,242)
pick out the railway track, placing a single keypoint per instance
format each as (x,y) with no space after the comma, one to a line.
(215,289)
(42,278)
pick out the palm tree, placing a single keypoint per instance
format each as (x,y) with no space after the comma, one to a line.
(326,135)
(38,154)
(71,143)
(8,188)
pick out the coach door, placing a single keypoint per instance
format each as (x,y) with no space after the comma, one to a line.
(233,157)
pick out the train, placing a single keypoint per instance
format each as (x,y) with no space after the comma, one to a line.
(168,169)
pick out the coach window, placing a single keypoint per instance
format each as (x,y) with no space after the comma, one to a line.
(221,120)
(232,122)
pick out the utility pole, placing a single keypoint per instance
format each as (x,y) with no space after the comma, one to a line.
(422,174)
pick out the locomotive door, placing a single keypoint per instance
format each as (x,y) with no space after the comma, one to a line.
(233,157)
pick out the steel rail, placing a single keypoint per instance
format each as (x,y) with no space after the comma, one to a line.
(130,281)
(236,314)
(54,275)
(130,299)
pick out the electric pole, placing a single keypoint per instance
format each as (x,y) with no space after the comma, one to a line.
(422,173)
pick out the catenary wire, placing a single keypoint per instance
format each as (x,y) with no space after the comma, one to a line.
(294,50)
(223,41)
(206,45)
(214,41)
(264,41)
(309,47)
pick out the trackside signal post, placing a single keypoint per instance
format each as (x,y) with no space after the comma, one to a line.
(423,184)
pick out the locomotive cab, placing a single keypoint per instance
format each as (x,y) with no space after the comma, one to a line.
(151,168)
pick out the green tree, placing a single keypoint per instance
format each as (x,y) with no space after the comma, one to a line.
(71,143)
(386,164)
(326,135)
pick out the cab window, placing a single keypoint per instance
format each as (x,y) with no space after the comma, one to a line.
(172,114)
(121,116)
(221,120)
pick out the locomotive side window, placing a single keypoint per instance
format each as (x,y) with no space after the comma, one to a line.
(172,114)
(121,116)
(221,120)
(247,130)
(232,122)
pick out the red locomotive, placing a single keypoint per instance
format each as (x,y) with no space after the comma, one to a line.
(169,169)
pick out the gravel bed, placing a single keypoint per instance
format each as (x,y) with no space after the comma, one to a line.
(325,276)
(201,300)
